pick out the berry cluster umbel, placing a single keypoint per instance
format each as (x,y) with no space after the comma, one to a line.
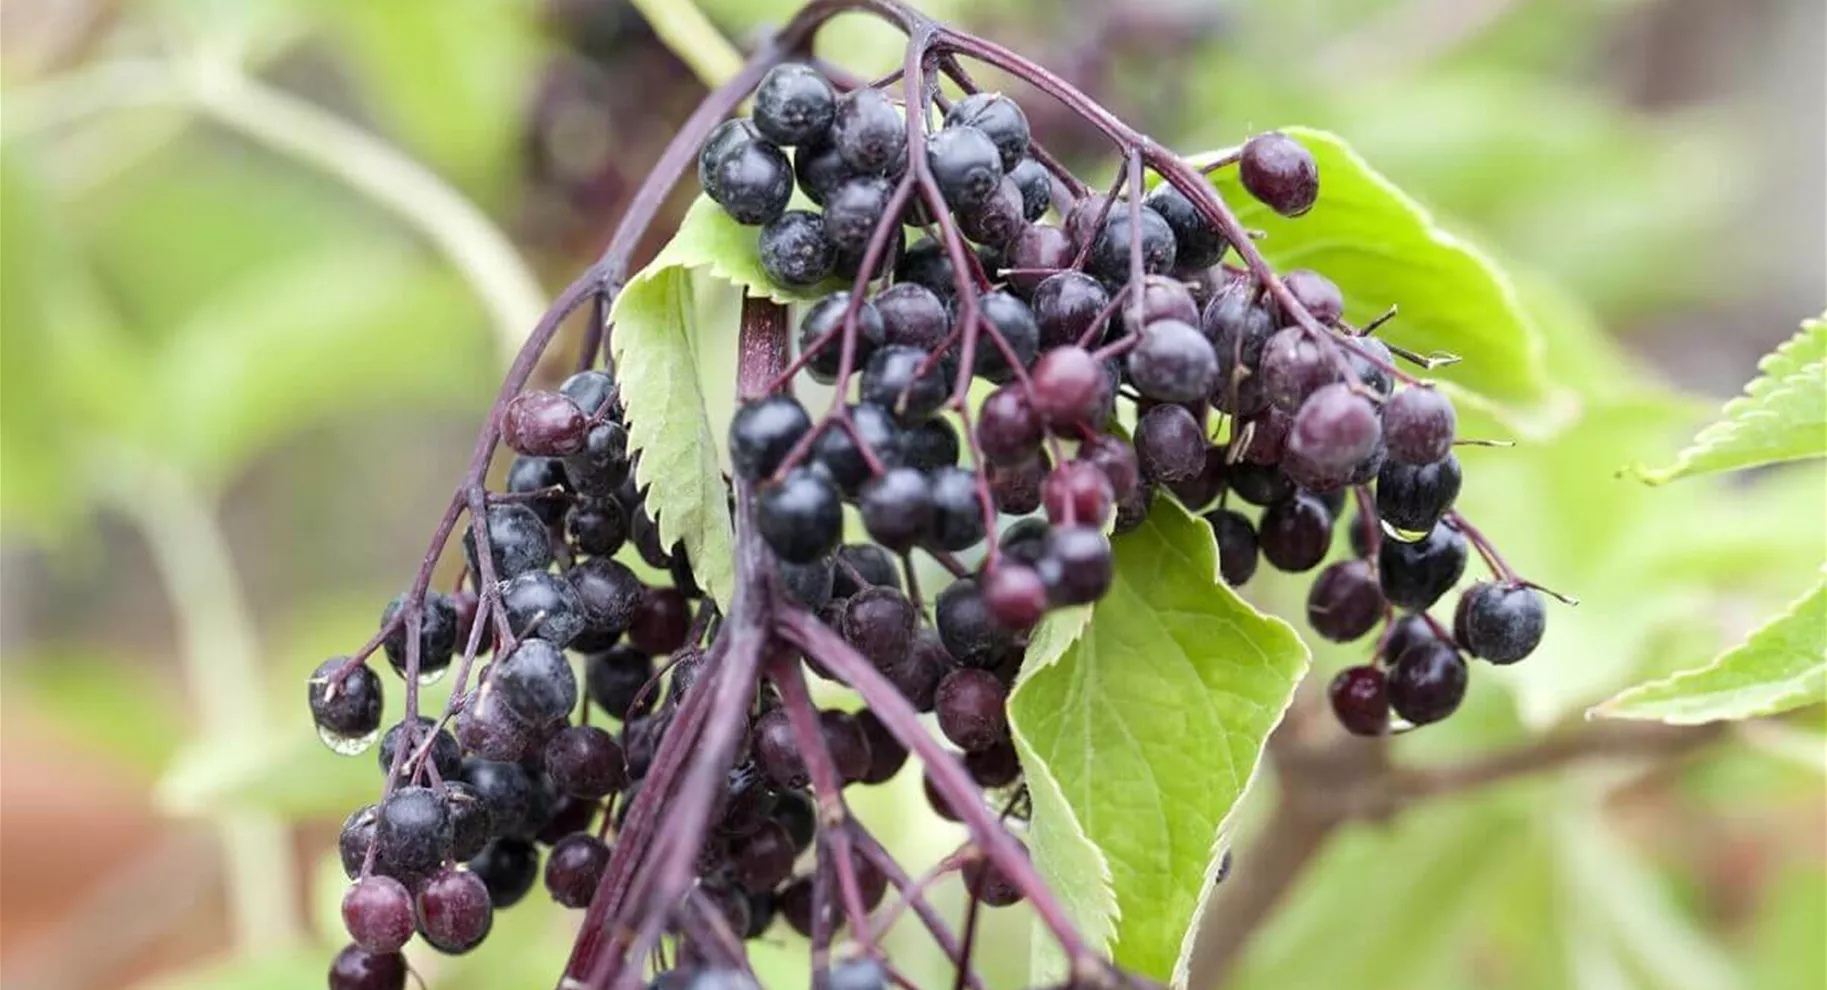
(689,793)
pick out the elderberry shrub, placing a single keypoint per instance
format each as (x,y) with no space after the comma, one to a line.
(979,375)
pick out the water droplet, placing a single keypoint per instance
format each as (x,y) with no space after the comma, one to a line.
(432,675)
(347,745)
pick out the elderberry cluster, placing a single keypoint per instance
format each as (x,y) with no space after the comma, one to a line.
(471,801)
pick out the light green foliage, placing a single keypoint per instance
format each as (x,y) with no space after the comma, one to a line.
(1780,666)
(1384,249)
(1781,417)
(1151,725)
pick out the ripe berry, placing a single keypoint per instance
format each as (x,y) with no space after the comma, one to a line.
(1077,565)
(614,678)
(970,633)
(536,683)
(1011,319)
(793,103)
(776,749)
(853,209)
(869,133)
(585,762)
(912,316)
(819,167)
(505,788)
(752,181)
(608,594)
(926,263)
(542,605)
(997,766)
(1009,431)
(886,753)
(455,914)
(966,164)
(597,526)
(971,710)
(543,424)
(1345,602)
(800,516)
(538,474)
(518,542)
(661,622)
(1199,244)
(1015,594)
(604,463)
(1413,497)
(1015,489)
(999,118)
(1036,185)
(1065,306)
(988,884)
(764,857)
(762,432)
(917,675)
(445,756)
(1039,250)
(437,628)
(1237,550)
(1069,387)
(880,624)
(357,969)
(795,250)
(1132,511)
(890,381)
(957,522)
(1294,366)
(1427,682)
(413,831)
(836,449)
(1266,440)
(897,509)
(1281,173)
(1173,363)
(930,446)
(1239,330)
(471,828)
(725,139)
(1360,699)
(1206,484)
(1296,533)
(1316,293)
(377,911)
(1170,444)
(1116,459)
(1419,424)
(488,729)
(1334,431)
(507,867)
(574,867)
(1502,623)
(1415,575)
(996,221)
(1165,298)
(1258,484)
(826,317)
(347,713)
(1110,250)
(849,747)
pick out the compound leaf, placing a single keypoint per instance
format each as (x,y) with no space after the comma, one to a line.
(1781,417)
(1149,720)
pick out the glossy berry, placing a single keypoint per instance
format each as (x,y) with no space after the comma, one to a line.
(471,826)
(725,139)
(1036,185)
(377,911)
(1117,461)
(917,675)
(1066,304)
(1334,431)
(1413,497)
(764,857)
(413,830)
(488,729)
(997,766)
(897,509)
(1419,424)
(1170,444)
(604,463)
(988,883)
(886,753)
(585,762)
(354,968)
(1165,298)
(795,250)
(971,711)
(752,181)
(507,791)
(539,474)
(894,381)
(608,594)
(1345,602)
(1009,431)
(1294,366)
(1415,575)
(1173,363)
(597,526)
(1502,623)
(1077,565)
(543,606)
(957,511)
(1295,533)
(931,445)
(968,630)
(1316,293)
(1015,594)
(997,220)
(1239,330)
(912,316)
(1427,682)
(1111,248)
(966,164)
(437,627)
(1039,250)
(853,210)
(1199,245)
(1360,700)
(819,167)
(454,911)
(347,712)
(1015,489)
(1237,547)
(824,319)
(869,133)
(848,746)
(1206,484)
(800,516)
(776,749)
(661,622)
(1011,320)
(793,103)
(999,118)
(1069,387)
(543,424)
(518,542)
(574,867)
(614,679)
(879,623)
(1277,170)
(837,451)
(508,868)
(762,432)
(445,756)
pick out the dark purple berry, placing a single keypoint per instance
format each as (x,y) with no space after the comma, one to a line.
(1419,424)
(543,424)
(377,911)
(1237,549)
(574,867)
(455,913)
(1173,363)
(1295,533)
(1360,700)
(1415,575)
(1427,682)
(1345,602)
(1502,623)
(971,710)
(1281,173)
(793,103)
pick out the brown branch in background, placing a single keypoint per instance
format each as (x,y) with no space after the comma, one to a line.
(1330,783)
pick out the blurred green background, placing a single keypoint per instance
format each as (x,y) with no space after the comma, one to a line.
(262,261)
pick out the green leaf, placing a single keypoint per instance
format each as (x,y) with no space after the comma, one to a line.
(1781,417)
(710,240)
(1782,665)
(1384,249)
(1151,725)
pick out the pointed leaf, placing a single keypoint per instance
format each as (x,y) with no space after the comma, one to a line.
(1151,724)
(1782,665)
(1781,417)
